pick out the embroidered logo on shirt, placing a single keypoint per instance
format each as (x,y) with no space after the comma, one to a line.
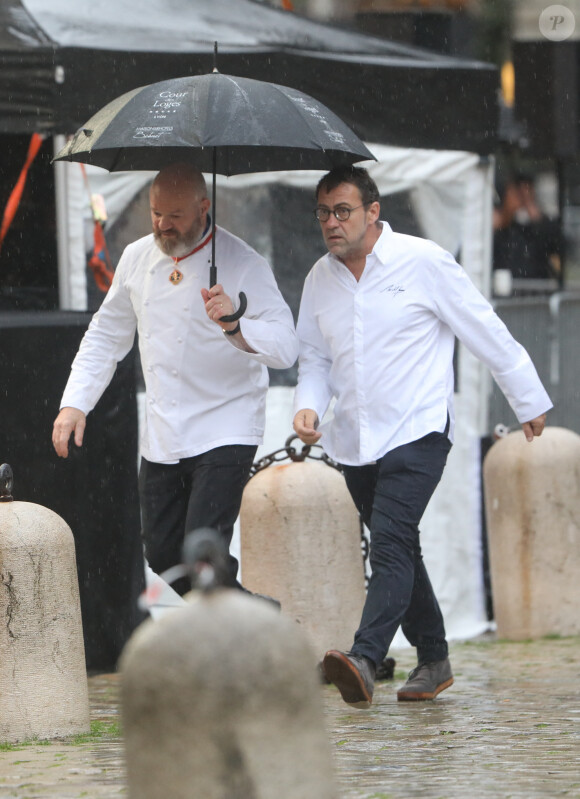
(393,288)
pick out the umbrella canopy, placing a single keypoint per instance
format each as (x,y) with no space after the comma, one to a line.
(218,123)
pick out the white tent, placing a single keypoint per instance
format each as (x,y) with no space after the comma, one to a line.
(451,195)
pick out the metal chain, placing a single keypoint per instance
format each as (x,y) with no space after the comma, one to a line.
(290,452)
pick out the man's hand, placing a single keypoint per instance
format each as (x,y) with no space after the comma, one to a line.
(534,427)
(305,424)
(68,421)
(218,304)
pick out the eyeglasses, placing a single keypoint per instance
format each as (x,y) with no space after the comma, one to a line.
(341,212)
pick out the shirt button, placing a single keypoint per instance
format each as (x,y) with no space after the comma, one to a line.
(146,302)
(174,372)
(174,402)
(147,335)
(186,307)
(180,341)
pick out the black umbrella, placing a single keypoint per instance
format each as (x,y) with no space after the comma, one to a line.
(221,124)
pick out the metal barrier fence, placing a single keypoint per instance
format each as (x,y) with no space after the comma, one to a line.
(549,329)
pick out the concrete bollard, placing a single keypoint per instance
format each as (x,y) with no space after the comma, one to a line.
(220,700)
(43,680)
(300,542)
(532,502)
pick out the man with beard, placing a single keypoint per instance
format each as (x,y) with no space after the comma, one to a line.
(205,378)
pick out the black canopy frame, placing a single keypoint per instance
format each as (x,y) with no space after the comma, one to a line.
(59,63)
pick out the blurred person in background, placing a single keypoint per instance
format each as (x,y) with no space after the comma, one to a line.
(526,241)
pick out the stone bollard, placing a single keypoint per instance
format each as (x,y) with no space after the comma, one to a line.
(300,543)
(43,680)
(220,700)
(532,502)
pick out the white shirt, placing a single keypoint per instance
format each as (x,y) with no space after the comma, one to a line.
(201,390)
(383,347)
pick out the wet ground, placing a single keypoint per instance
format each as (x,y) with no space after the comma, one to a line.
(509,727)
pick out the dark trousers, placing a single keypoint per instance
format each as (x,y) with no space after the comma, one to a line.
(391,497)
(203,491)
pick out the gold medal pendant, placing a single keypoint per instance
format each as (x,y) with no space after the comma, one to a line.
(176,277)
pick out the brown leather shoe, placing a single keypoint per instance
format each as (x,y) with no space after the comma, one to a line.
(426,681)
(353,675)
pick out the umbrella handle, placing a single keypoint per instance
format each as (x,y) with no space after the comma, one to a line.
(232,317)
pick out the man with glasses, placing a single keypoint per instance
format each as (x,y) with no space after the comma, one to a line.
(377,325)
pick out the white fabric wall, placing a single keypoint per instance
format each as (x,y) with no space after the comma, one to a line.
(74,219)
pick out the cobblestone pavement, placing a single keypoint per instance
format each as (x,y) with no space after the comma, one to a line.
(509,728)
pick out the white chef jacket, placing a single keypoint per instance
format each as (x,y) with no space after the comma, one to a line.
(383,347)
(201,390)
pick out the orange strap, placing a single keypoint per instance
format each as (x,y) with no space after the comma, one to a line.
(100,260)
(287,5)
(16,195)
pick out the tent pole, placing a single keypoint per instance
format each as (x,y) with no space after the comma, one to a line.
(70,237)
(64,298)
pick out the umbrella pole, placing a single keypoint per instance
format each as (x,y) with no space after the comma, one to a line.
(213,268)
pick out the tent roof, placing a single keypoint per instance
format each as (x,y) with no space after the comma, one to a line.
(184,26)
(61,61)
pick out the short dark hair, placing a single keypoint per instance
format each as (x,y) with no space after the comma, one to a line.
(356,175)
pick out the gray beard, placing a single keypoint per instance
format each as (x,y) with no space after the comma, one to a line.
(175,247)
